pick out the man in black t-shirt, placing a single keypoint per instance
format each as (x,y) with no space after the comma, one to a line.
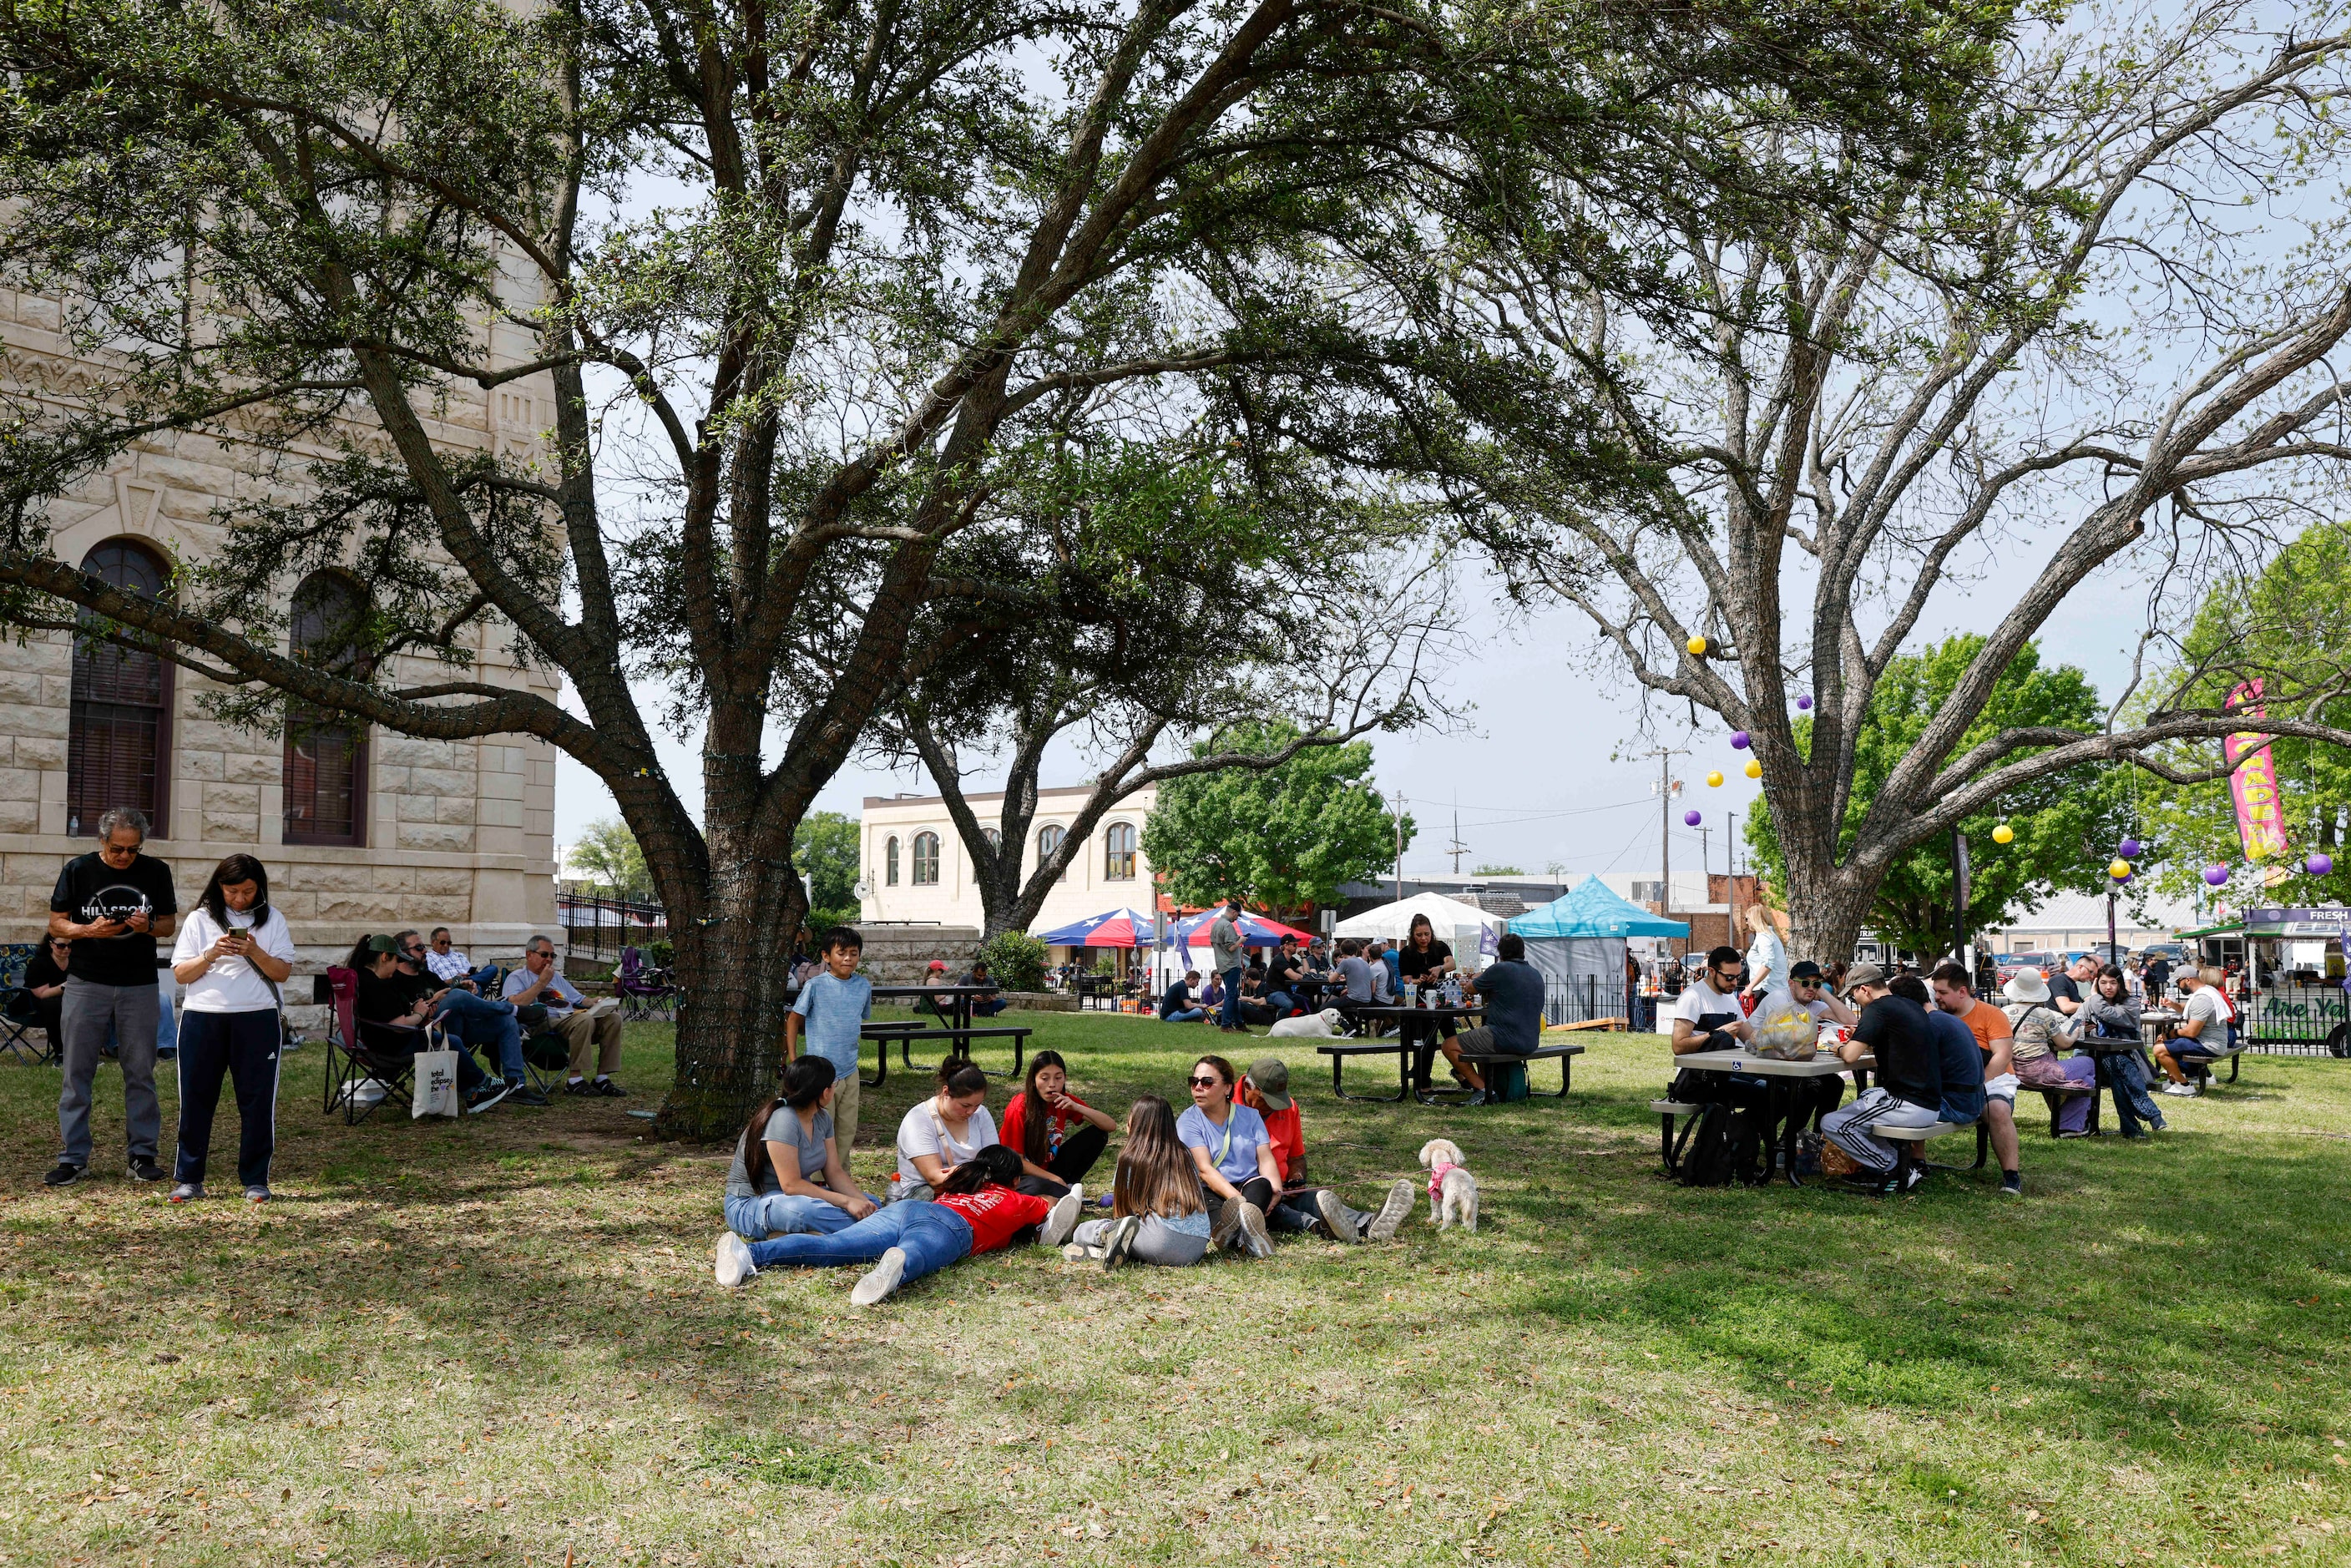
(113,903)
(1910,1088)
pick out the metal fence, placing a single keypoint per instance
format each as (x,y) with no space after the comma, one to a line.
(1588,997)
(598,925)
(2297,1021)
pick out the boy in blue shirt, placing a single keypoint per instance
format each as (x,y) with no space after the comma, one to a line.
(832,1009)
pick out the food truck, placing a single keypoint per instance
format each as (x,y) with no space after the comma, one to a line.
(2295,1000)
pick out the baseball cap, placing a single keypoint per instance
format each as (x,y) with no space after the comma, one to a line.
(1270,1079)
(1806,969)
(1862,975)
(940,965)
(383,945)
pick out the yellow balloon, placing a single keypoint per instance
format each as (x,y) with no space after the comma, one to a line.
(1697,645)
(2003,834)
(2118,869)
(1714,778)
(1754,768)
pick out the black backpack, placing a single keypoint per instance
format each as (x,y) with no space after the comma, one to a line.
(1726,1146)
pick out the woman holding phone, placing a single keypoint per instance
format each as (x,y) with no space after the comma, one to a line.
(232,953)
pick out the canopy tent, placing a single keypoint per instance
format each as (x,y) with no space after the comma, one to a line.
(1577,944)
(1118,928)
(1256,931)
(1461,926)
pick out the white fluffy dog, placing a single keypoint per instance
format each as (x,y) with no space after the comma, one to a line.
(1452,1190)
(1324,1025)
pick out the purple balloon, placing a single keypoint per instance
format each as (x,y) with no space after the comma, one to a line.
(2216,874)
(2319,865)
(2130,849)
(1804,702)
(1738,739)
(1692,818)
(2125,877)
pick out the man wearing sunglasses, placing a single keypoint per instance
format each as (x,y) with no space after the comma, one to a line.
(477,1021)
(1708,1017)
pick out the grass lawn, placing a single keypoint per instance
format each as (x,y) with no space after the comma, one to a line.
(497,1340)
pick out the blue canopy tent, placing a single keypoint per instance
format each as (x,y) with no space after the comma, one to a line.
(1577,943)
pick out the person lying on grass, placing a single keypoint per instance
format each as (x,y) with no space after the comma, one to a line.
(1301,1206)
(1233,1156)
(942,1132)
(1037,1126)
(977,1211)
(1157,1212)
(788,1176)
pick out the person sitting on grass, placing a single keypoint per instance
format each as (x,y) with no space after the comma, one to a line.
(2202,1034)
(830,1012)
(943,1132)
(1158,1214)
(1513,989)
(1212,993)
(1233,1155)
(1037,1128)
(1178,1003)
(977,1211)
(387,997)
(788,1176)
(1301,1206)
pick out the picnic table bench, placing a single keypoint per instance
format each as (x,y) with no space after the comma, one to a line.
(957,1039)
(1406,1048)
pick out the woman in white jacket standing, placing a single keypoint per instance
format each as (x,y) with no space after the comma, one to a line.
(234,952)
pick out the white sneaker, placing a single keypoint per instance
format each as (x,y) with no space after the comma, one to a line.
(882,1280)
(1393,1213)
(1224,1224)
(1254,1234)
(1062,1220)
(733,1263)
(2183,1090)
(1334,1216)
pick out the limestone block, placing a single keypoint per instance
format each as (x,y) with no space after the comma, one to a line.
(504,786)
(20,814)
(385,781)
(329,877)
(228,827)
(19,686)
(439,781)
(204,767)
(453,808)
(435,836)
(411,808)
(45,752)
(237,798)
(393,878)
(50,656)
(539,824)
(349,908)
(252,767)
(439,882)
(294,905)
(407,751)
(49,723)
(501,813)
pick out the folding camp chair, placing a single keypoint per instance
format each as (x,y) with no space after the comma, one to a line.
(358,1052)
(546,1062)
(23,1032)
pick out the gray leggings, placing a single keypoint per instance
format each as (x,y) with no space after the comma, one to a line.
(1156,1242)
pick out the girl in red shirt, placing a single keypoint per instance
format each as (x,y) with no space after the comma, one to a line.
(1038,1125)
(977,1211)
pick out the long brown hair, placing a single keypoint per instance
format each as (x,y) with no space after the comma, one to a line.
(1420,922)
(994,1166)
(1156,1173)
(805,1081)
(1036,1124)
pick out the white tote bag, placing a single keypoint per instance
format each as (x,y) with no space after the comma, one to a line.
(436,1084)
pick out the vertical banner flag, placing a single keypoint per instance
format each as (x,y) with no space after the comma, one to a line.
(2252,782)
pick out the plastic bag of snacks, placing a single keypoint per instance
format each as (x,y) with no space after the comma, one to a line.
(1783,1030)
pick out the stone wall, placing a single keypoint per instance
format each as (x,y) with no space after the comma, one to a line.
(900,954)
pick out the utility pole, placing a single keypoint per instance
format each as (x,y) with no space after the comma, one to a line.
(1665,829)
(1396,820)
(1458,848)
(1731,836)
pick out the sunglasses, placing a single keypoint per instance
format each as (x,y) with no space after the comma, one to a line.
(1210,1081)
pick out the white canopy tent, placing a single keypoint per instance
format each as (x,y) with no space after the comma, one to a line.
(1458,925)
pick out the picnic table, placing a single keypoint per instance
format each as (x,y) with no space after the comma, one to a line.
(958,1032)
(957,999)
(1820,1064)
(2161,1027)
(1414,1048)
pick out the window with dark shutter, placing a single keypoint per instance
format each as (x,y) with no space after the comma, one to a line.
(326,754)
(119,726)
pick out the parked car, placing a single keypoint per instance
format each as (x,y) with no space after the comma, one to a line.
(2010,963)
(2177,952)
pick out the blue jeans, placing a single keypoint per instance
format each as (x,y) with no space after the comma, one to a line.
(2133,1104)
(988,1006)
(932,1238)
(1281,1002)
(1231,1017)
(478,1021)
(1184,1015)
(793,1214)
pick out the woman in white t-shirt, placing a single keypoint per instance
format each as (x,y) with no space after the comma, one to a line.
(943,1132)
(234,951)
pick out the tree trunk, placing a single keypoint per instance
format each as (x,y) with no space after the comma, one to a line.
(734,971)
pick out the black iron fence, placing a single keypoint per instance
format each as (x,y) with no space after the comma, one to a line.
(2296,1020)
(1589,996)
(597,924)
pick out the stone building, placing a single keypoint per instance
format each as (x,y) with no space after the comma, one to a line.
(361,834)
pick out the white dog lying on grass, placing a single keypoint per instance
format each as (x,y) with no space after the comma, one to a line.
(1327,1024)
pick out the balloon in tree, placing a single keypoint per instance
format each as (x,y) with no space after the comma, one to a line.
(2120,870)
(1739,740)
(2003,834)
(1805,704)
(1692,818)
(1754,768)
(2319,865)
(1714,778)
(1696,646)
(2216,875)
(2128,849)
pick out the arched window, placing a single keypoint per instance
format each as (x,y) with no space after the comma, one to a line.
(1118,853)
(926,860)
(1049,840)
(326,754)
(119,722)
(995,839)
(890,863)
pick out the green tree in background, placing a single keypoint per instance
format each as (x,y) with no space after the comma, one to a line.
(2293,618)
(1496,871)
(824,848)
(1282,839)
(607,854)
(2066,824)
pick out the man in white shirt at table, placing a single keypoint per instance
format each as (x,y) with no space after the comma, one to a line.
(582,1028)
(1708,1017)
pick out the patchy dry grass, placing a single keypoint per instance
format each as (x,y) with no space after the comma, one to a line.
(499,1342)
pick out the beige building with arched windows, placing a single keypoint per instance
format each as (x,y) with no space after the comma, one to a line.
(915,868)
(360,833)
